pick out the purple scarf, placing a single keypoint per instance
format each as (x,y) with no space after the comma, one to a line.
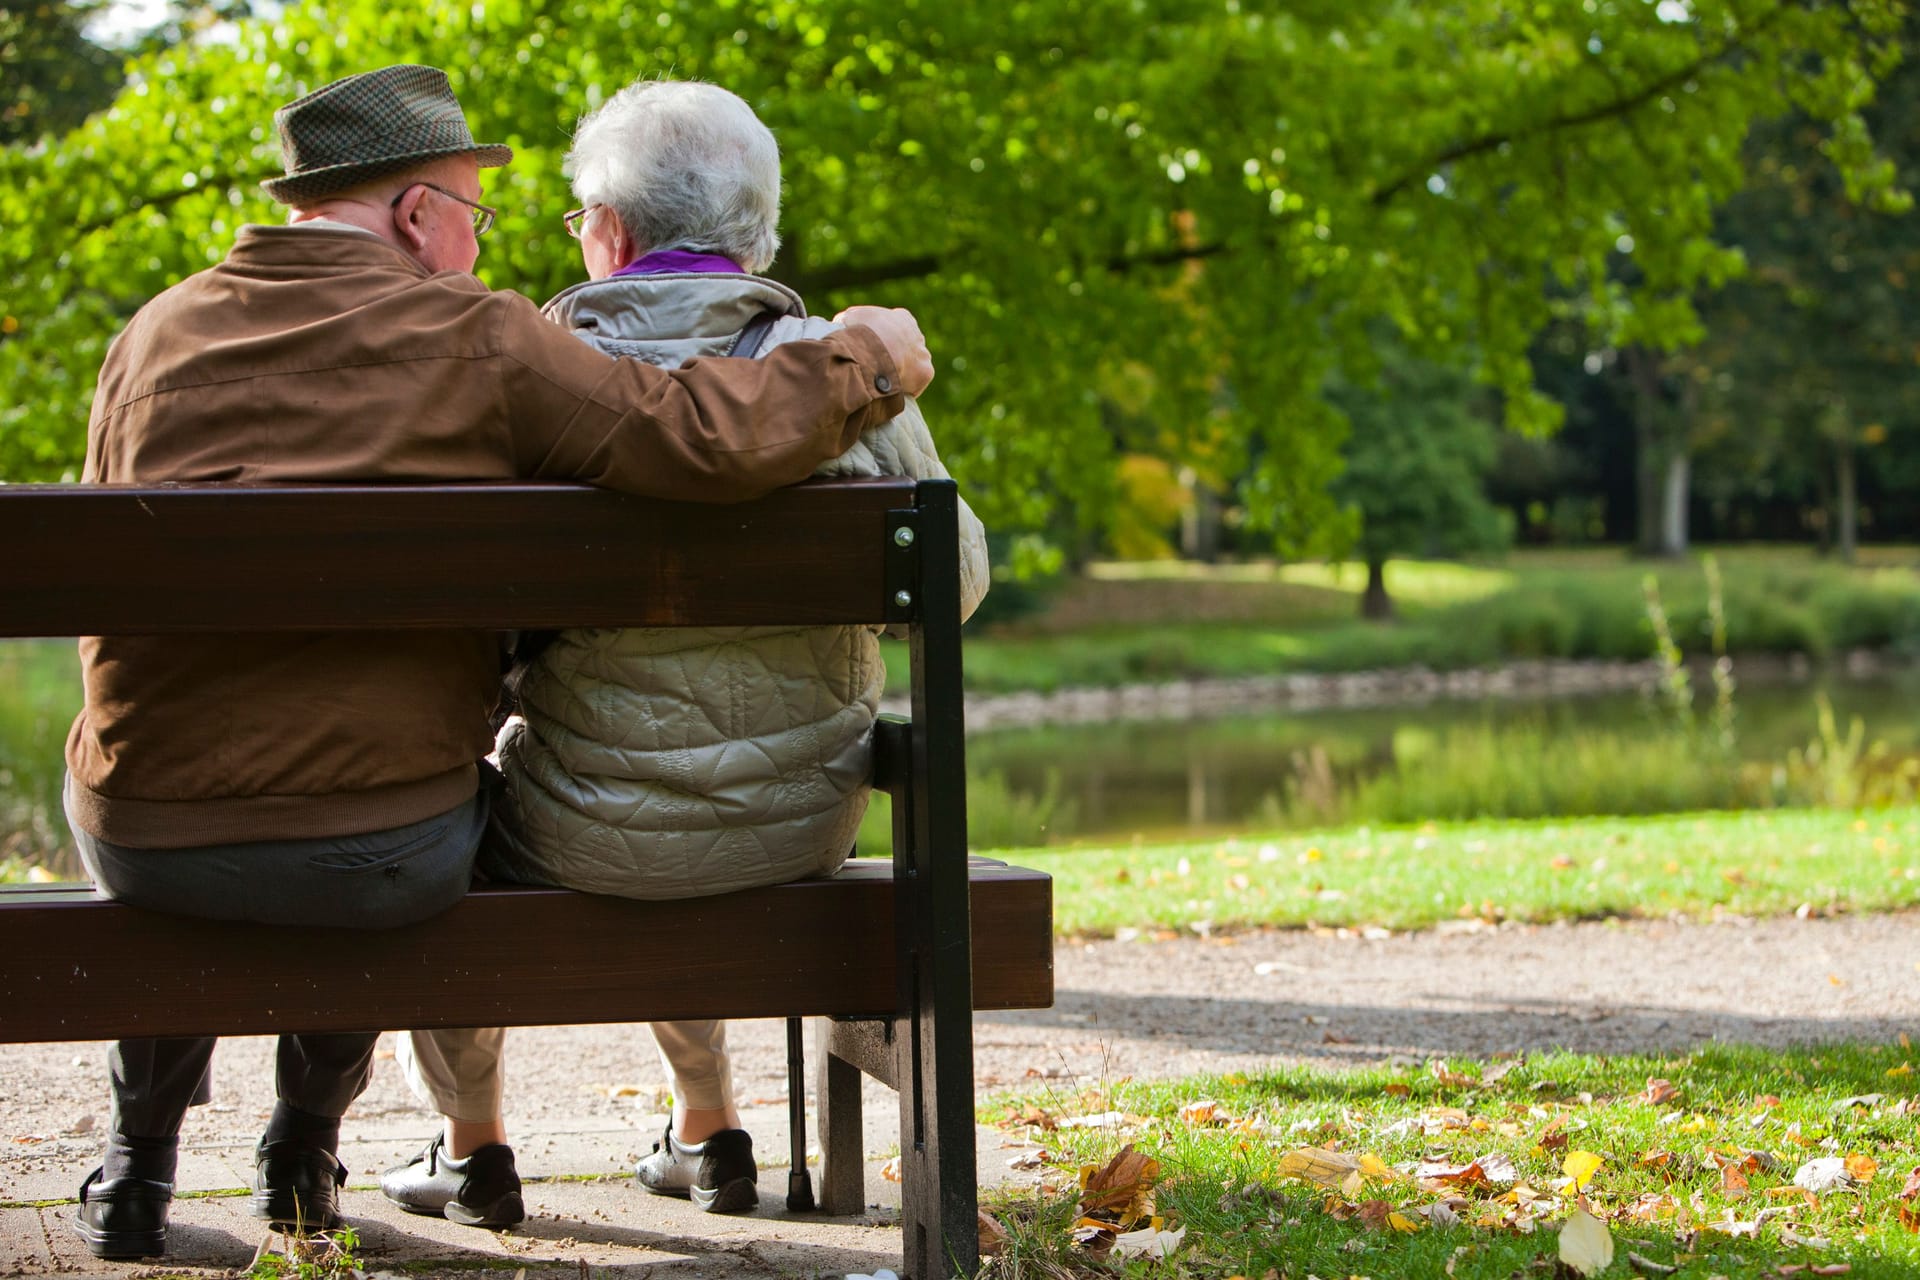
(673,261)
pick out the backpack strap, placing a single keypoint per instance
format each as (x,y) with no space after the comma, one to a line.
(747,344)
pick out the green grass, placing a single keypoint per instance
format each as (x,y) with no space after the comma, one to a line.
(1223,1171)
(1761,863)
(1173,620)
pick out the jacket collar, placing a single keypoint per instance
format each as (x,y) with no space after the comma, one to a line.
(326,246)
(679,305)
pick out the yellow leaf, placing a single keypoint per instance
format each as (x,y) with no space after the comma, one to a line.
(1401,1222)
(1904,1069)
(1379,1170)
(1586,1245)
(1318,1165)
(1862,1167)
(1581,1166)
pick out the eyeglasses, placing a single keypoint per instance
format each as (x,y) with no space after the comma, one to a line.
(482,215)
(576,220)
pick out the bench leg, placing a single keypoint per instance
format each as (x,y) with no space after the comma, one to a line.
(843,1157)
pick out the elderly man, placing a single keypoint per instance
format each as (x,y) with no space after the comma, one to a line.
(625,776)
(333,778)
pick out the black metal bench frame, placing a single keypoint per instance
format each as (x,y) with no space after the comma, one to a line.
(965,933)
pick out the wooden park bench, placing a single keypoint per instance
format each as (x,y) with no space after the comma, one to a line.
(893,955)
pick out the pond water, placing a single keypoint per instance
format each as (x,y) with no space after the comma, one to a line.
(1153,780)
(1105,783)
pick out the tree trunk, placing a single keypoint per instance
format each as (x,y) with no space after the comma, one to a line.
(1847,511)
(1375,604)
(1673,504)
(1200,521)
(1652,451)
(1822,515)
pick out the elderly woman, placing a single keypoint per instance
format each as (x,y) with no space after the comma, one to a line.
(676,763)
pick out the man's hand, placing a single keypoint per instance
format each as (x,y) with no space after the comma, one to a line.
(900,333)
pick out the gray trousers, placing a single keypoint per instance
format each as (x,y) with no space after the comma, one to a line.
(380,880)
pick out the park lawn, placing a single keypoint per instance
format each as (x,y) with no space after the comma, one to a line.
(1763,862)
(1688,1162)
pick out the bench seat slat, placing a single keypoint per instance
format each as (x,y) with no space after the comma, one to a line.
(197,558)
(73,968)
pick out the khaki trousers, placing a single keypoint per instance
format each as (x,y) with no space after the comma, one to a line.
(460,1072)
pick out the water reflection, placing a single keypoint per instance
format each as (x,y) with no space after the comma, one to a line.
(1156,780)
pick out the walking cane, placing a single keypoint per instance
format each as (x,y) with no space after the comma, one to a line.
(799,1182)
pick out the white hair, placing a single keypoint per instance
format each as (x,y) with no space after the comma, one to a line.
(684,165)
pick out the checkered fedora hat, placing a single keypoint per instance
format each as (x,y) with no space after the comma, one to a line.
(368,126)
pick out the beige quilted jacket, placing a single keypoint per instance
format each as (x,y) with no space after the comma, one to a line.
(672,763)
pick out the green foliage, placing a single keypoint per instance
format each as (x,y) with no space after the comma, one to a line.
(39,693)
(1417,455)
(1235,196)
(51,75)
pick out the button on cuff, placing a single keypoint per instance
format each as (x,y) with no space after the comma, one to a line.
(883,384)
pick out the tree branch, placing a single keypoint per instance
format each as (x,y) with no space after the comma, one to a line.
(861,275)
(1579,119)
(142,204)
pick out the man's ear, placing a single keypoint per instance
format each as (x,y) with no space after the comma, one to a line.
(406,223)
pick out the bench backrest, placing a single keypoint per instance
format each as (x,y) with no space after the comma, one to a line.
(95,560)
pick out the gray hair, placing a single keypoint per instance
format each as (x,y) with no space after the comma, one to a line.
(684,165)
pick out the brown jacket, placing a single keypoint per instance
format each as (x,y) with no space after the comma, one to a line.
(325,354)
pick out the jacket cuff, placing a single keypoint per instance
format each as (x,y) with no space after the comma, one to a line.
(877,367)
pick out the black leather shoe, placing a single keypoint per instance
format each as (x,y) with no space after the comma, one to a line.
(124,1218)
(297,1187)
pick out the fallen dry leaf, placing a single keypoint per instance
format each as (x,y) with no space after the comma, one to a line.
(1374,1213)
(1824,1174)
(1647,1266)
(1586,1245)
(1490,1170)
(1500,1070)
(1095,1237)
(1581,1166)
(1862,1167)
(1204,1112)
(1372,1166)
(1148,1242)
(1912,1188)
(993,1236)
(1122,1187)
(1319,1166)
(1402,1223)
(1652,1206)
(1733,1182)
(1098,1120)
(890,1171)
(1658,1091)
